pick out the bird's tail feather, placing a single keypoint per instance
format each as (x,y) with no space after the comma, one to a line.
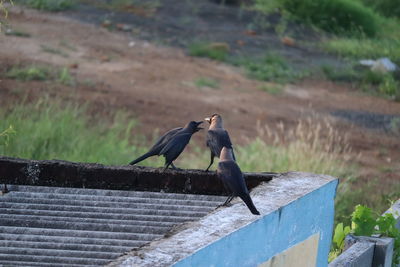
(143,157)
(249,203)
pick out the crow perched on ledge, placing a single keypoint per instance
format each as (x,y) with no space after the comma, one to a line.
(171,144)
(232,177)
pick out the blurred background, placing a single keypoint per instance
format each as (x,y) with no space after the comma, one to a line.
(301,85)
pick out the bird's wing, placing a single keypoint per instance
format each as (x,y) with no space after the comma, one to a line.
(163,140)
(217,139)
(176,144)
(231,175)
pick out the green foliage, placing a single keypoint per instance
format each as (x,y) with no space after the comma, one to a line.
(365,222)
(28,73)
(126,4)
(343,74)
(39,73)
(375,82)
(206,82)
(361,48)
(65,77)
(336,16)
(216,51)
(6,135)
(51,129)
(271,67)
(338,240)
(389,8)
(390,87)
(49,5)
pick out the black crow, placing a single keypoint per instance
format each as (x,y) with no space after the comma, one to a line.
(171,144)
(232,177)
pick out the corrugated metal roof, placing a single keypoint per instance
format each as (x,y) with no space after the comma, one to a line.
(54,226)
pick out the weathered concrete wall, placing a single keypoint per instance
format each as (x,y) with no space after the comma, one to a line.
(97,176)
(293,206)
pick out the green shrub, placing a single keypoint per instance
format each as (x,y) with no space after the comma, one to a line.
(216,51)
(389,87)
(271,67)
(49,5)
(28,73)
(336,16)
(386,7)
(365,222)
(364,48)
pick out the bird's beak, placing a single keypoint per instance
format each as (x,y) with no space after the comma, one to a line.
(208,120)
(198,123)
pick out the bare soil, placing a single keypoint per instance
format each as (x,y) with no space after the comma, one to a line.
(156,85)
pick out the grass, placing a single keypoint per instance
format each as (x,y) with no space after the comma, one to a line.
(344,17)
(28,73)
(206,82)
(272,67)
(364,48)
(273,89)
(216,51)
(375,83)
(40,73)
(146,8)
(50,129)
(53,50)
(48,5)
(65,77)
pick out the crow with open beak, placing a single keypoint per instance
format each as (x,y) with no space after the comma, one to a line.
(217,137)
(171,144)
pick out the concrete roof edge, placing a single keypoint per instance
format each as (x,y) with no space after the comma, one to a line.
(191,237)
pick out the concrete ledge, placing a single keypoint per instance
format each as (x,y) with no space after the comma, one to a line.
(294,206)
(89,175)
(359,254)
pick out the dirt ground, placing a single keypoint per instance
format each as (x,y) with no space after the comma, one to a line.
(156,84)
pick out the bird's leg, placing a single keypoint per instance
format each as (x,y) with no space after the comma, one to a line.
(212,161)
(227,201)
(166,166)
(174,167)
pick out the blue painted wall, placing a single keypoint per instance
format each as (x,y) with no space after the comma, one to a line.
(274,233)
